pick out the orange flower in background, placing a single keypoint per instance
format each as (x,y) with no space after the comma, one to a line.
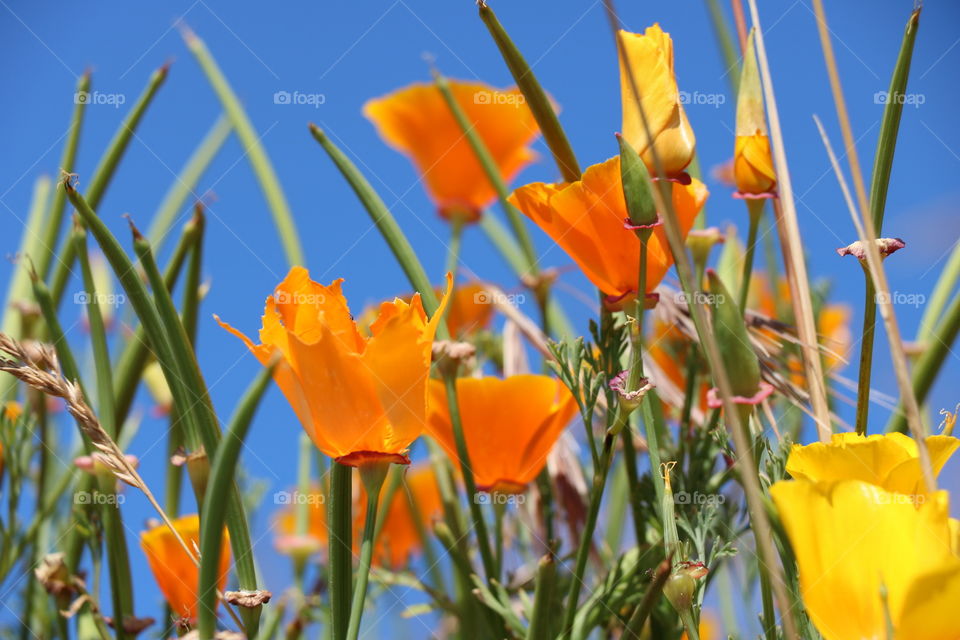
(359,398)
(471,309)
(399,538)
(670,350)
(586,218)
(175,573)
(12,410)
(416,121)
(649,57)
(510,426)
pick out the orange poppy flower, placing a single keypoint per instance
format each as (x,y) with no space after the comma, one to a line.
(175,573)
(510,426)
(470,310)
(650,58)
(12,410)
(586,218)
(359,398)
(399,538)
(752,164)
(416,121)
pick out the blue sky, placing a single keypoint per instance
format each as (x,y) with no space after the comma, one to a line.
(350,52)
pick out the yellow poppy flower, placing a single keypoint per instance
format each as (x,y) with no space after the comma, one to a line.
(359,398)
(510,426)
(752,164)
(650,59)
(889,461)
(416,121)
(586,218)
(853,540)
(175,573)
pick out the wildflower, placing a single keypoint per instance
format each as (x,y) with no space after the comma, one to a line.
(510,426)
(360,399)
(12,410)
(649,59)
(753,169)
(417,121)
(586,218)
(890,461)
(175,573)
(867,556)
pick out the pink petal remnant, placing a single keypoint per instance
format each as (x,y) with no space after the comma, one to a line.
(619,385)
(714,401)
(886,246)
(629,226)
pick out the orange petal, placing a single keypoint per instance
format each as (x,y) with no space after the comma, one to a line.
(417,121)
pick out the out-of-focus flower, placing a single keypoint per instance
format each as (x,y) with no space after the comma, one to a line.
(586,218)
(753,169)
(416,121)
(470,310)
(649,57)
(709,628)
(510,426)
(157,386)
(890,461)
(670,349)
(175,573)
(855,541)
(399,537)
(360,399)
(12,410)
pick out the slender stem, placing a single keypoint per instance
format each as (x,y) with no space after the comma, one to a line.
(466,470)
(586,539)
(756,213)
(372,476)
(866,353)
(546,583)
(453,249)
(940,296)
(340,547)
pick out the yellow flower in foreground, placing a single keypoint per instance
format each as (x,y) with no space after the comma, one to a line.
(889,461)
(650,59)
(359,398)
(586,218)
(853,540)
(175,573)
(510,426)
(417,121)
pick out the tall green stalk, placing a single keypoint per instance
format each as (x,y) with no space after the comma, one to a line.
(372,475)
(340,542)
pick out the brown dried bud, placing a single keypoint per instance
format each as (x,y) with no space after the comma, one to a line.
(886,246)
(449,355)
(248,599)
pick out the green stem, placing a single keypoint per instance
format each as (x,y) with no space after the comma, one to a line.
(186,181)
(250,139)
(866,352)
(372,475)
(466,470)
(946,283)
(103,174)
(545,586)
(222,478)
(930,361)
(586,539)
(537,99)
(340,543)
(453,250)
(755,207)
